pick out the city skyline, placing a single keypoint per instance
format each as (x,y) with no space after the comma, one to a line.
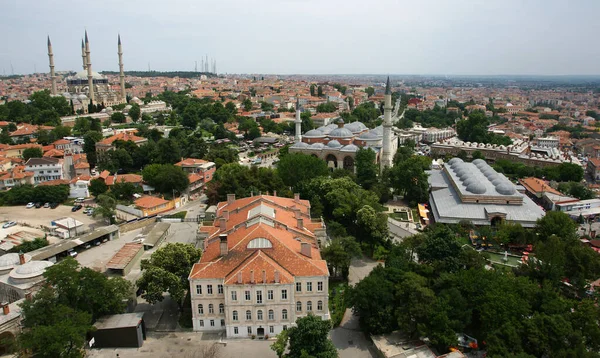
(308,37)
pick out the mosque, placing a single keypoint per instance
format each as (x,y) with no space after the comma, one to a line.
(337,144)
(89,87)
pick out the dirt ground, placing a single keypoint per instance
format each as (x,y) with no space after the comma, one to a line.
(42,217)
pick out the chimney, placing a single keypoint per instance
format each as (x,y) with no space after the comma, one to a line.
(274,192)
(264,276)
(251,276)
(300,223)
(276,276)
(297,197)
(5,308)
(305,249)
(222,223)
(240,277)
(226,214)
(297,213)
(21,258)
(28,296)
(230,198)
(223,244)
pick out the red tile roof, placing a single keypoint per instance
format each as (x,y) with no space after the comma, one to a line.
(148,202)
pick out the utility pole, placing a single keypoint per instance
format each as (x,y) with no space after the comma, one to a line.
(196,66)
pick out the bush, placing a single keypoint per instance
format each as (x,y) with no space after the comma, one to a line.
(179,215)
(28,246)
(23,194)
(337,301)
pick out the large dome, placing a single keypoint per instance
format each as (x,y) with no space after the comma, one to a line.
(505,188)
(470,180)
(300,145)
(350,148)
(10,260)
(30,269)
(356,127)
(341,133)
(314,133)
(368,136)
(476,188)
(317,146)
(83,75)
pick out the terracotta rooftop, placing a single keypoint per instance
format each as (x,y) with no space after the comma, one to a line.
(124,136)
(148,202)
(536,185)
(124,256)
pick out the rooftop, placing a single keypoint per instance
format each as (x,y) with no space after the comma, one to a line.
(124,256)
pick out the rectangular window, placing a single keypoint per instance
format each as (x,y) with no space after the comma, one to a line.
(220,289)
(198,289)
(258,296)
(212,322)
(248,298)
(201,323)
(222,323)
(235,330)
(284,294)
(234,295)
(309,286)
(209,289)
(270,295)
(298,286)
(284,327)
(320,286)
(249,330)
(271,329)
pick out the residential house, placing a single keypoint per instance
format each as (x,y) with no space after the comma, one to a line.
(593,168)
(152,205)
(15,176)
(202,167)
(26,131)
(44,169)
(108,143)
(261,268)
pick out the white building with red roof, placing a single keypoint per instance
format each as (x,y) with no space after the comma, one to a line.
(261,268)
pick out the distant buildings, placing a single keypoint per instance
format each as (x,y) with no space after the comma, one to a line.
(108,143)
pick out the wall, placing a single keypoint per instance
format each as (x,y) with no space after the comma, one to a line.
(123,228)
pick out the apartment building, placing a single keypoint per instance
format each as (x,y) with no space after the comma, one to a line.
(44,169)
(261,268)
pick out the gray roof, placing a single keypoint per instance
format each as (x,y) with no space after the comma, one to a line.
(119,320)
(341,133)
(64,245)
(156,233)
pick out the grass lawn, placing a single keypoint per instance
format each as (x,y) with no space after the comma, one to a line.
(463,240)
(185,317)
(400,215)
(416,217)
(337,300)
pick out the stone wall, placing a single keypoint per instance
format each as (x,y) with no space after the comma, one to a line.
(136,224)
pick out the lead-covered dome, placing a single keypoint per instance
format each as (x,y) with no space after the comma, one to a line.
(300,145)
(350,148)
(334,144)
(30,269)
(314,133)
(341,132)
(476,188)
(505,188)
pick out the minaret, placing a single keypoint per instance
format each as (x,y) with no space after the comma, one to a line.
(83,56)
(386,154)
(298,122)
(121,72)
(89,69)
(52,76)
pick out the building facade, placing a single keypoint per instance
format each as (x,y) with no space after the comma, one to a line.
(261,268)
(44,169)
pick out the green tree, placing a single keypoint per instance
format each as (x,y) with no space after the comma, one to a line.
(296,168)
(366,168)
(280,345)
(27,246)
(135,112)
(369,91)
(409,179)
(89,146)
(339,254)
(118,117)
(312,90)
(327,107)
(247,103)
(555,223)
(477,155)
(123,190)
(372,227)
(168,151)
(97,187)
(167,270)
(320,91)
(106,207)
(310,337)
(307,123)
(34,152)
(265,106)
(166,178)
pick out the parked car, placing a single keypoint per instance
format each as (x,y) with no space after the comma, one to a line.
(30,205)
(53,205)
(90,212)
(72,253)
(97,243)
(47,205)
(9,224)
(87,246)
(76,207)
(38,205)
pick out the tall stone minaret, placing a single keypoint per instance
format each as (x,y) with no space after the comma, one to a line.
(83,56)
(386,153)
(89,69)
(121,72)
(52,76)
(298,122)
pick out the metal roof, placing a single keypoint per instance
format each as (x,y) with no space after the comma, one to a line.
(156,233)
(65,245)
(119,320)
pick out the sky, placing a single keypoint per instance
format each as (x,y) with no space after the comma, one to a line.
(443,37)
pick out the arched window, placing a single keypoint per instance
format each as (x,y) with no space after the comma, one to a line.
(284,314)
(248,315)
(319,305)
(298,306)
(259,315)
(221,308)
(211,309)
(200,309)
(271,315)
(235,315)
(309,306)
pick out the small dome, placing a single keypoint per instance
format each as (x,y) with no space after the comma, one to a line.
(300,145)
(377,130)
(505,188)
(491,175)
(368,136)
(454,160)
(476,188)
(356,127)
(465,175)
(341,132)
(314,133)
(350,148)
(82,97)
(460,171)
(470,180)
(479,162)
(497,181)
(334,144)
(317,146)
(30,269)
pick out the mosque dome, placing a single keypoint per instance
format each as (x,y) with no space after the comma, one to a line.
(356,127)
(300,145)
(82,97)
(83,75)
(350,148)
(334,144)
(465,175)
(497,181)
(479,162)
(340,132)
(491,175)
(476,188)
(460,171)
(317,146)
(10,260)
(378,130)
(314,133)
(368,136)
(30,269)
(505,188)
(470,180)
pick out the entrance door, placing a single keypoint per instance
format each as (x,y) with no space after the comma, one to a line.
(260,332)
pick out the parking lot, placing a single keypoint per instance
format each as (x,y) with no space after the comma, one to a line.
(42,217)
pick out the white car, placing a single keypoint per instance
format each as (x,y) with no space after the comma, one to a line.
(30,205)
(9,224)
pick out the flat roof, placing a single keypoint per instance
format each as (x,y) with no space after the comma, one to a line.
(156,233)
(55,249)
(119,320)
(124,256)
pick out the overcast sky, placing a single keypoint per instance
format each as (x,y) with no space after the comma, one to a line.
(486,37)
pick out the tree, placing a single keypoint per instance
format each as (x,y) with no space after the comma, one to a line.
(296,168)
(371,226)
(118,117)
(123,190)
(97,187)
(409,179)
(34,152)
(310,337)
(106,207)
(307,123)
(265,106)
(135,112)
(327,107)
(166,178)
(27,246)
(555,223)
(320,91)
(247,103)
(312,90)
(168,151)
(167,270)
(366,168)
(440,250)
(339,254)
(89,146)
(280,345)
(477,155)
(369,91)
